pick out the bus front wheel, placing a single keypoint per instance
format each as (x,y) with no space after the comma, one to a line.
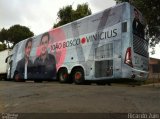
(63,75)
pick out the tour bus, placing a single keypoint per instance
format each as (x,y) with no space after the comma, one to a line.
(109,45)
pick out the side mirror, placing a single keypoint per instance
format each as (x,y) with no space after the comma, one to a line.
(6,59)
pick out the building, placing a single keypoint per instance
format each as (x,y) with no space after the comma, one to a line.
(154,68)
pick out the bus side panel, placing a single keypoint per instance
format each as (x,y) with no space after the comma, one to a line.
(126,43)
(77,43)
(117,59)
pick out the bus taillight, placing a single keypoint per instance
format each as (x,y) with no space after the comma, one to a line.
(128,57)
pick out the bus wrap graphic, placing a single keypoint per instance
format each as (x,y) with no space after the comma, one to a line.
(96,47)
(55,46)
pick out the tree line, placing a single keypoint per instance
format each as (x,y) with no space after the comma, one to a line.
(9,37)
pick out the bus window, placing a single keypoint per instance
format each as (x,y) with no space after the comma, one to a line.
(124,27)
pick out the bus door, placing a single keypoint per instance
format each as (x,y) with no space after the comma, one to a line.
(117,58)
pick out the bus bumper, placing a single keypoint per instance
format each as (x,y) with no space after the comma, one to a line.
(136,75)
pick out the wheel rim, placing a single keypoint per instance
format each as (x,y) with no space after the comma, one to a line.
(63,76)
(78,75)
(17,78)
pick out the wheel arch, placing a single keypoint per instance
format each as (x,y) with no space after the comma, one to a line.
(75,67)
(63,67)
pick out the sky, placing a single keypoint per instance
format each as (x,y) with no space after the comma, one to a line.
(157,51)
(40,15)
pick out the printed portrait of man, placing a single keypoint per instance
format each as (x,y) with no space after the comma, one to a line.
(24,66)
(138,27)
(45,63)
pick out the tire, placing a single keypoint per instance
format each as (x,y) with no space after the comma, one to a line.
(18,79)
(78,76)
(38,81)
(63,76)
(109,84)
(3,77)
(101,83)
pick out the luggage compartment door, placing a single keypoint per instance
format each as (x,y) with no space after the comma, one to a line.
(117,59)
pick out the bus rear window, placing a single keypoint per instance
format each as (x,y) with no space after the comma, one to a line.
(138,27)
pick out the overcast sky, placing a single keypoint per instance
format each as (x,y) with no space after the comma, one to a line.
(40,15)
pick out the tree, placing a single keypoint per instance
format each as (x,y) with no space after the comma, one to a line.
(14,34)
(150,9)
(3,35)
(3,39)
(67,14)
(81,11)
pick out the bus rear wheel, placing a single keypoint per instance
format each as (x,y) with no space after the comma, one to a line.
(101,83)
(78,76)
(37,80)
(63,75)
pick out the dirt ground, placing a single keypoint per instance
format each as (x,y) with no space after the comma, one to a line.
(52,97)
